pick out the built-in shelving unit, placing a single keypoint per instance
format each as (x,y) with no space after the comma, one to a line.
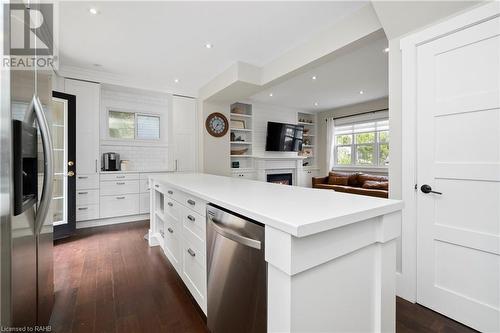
(241,136)
(308,120)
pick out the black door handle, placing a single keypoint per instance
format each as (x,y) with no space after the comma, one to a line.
(427,189)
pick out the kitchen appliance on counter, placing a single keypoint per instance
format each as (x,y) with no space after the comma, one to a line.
(111,162)
(236,273)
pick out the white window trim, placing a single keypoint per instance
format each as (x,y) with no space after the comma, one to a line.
(136,113)
(353,146)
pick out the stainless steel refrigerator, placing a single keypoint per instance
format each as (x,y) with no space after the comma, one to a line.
(26,170)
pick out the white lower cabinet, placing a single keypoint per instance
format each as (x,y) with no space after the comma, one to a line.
(183,240)
(87,212)
(119,205)
(245,174)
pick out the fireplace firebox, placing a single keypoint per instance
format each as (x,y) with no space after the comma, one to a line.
(280,178)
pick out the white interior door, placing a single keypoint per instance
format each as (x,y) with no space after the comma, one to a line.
(458,154)
(184,129)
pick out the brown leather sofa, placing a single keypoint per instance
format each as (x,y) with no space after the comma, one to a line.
(354,182)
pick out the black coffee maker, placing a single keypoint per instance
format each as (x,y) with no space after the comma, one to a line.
(111,162)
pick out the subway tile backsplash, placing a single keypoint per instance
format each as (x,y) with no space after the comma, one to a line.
(141,158)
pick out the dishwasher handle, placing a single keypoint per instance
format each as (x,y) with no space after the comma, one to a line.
(232,235)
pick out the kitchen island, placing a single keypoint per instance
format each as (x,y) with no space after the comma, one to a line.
(331,257)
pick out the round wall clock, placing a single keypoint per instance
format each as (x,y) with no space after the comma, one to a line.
(217,124)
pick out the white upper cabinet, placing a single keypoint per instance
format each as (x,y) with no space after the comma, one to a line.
(87,124)
(184,133)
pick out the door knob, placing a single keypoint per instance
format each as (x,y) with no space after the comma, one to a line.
(71,163)
(71,173)
(427,189)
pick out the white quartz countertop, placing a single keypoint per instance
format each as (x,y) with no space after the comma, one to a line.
(296,210)
(135,171)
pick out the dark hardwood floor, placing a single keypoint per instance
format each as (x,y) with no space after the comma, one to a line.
(107,279)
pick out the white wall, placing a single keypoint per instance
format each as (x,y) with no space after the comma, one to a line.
(349,110)
(216,158)
(143,154)
(263,113)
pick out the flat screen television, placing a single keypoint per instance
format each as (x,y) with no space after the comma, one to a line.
(284,137)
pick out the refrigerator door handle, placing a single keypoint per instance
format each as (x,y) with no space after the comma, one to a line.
(36,112)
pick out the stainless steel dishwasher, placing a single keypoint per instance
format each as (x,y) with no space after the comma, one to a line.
(237,273)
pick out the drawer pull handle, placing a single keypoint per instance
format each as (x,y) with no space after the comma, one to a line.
(170,192)
(83,192)
(82,177)
(191,202)
(170,230)
(191,218)
(120,176)
(120,183)
(83,208)
(191,252)
(120,197)
(170,204)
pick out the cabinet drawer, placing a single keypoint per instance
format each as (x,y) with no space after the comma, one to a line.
(87,197)
(144,203)
(143,185)
(119,205)
(194,223)
(193,272)
(173,244)
(120,176)
(87,212)
(172,209)
(119,187)
(90,181)
(196,204)
(245,175)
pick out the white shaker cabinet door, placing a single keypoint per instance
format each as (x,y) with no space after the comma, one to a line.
(184,133)
(87,124)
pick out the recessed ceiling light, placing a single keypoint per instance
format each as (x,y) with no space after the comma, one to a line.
(314,77)
(97,65)
(176,80)
(93,11)
(361,92)
(270,94)
(386,50)
(316,103)
(209,45)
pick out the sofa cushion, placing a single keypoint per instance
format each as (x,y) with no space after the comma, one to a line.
(324,186)
(362,178)
(338,180)
(352,177)
(373,184)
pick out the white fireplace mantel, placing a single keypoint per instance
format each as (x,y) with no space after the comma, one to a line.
(266,165)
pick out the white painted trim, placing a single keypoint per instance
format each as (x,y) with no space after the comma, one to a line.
(407,280)
(112,220)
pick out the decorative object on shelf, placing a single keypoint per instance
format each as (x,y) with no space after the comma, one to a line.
(239,151)
(307,141)
(238,138)
(305,163)
(124,165)
(217,124)
(233,136)
(306,130)
(235,164)
(238,124)
(241,108)
(307,152)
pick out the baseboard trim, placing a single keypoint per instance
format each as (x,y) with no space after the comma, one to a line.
(112,220)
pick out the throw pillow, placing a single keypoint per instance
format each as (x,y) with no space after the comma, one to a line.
(373,184)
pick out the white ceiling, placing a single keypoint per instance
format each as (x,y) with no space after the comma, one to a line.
(162,41)
(338,82)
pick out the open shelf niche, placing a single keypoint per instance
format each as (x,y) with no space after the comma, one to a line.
(309,121)
(241,138)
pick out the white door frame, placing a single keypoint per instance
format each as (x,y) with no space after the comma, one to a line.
(407,280)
